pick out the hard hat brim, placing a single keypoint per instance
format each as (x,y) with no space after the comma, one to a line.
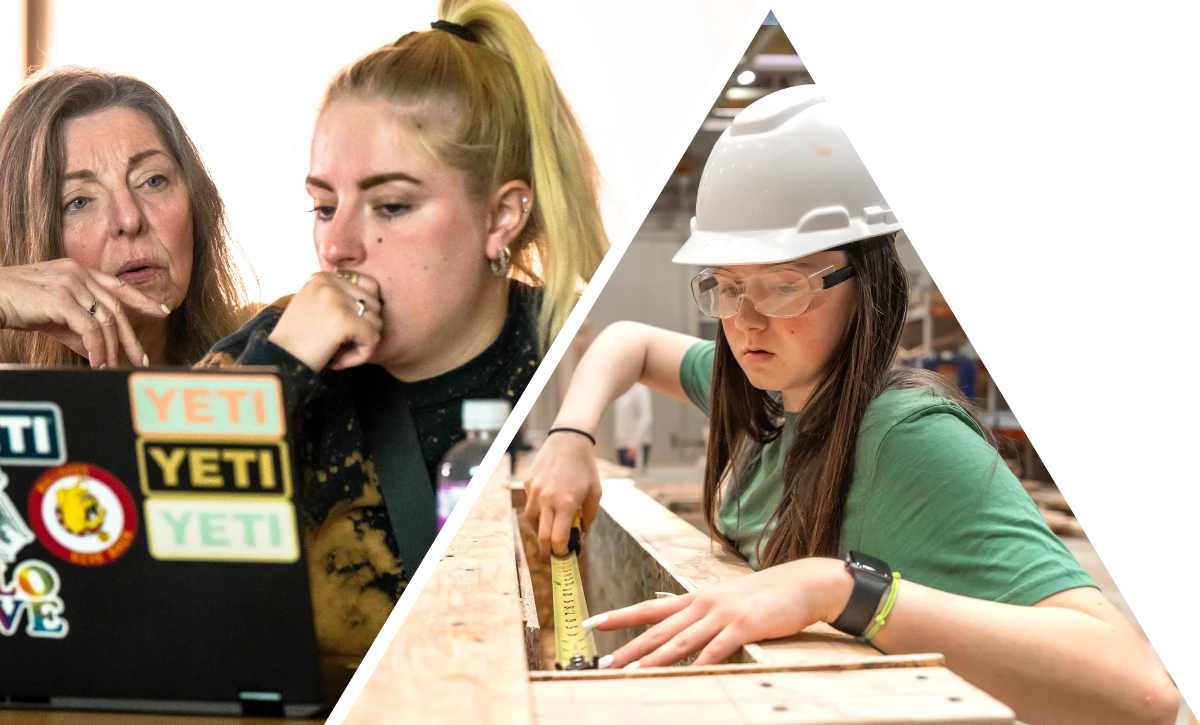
(770,246)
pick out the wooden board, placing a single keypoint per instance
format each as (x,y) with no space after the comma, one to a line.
(863,697)
(608,469)
(620,573)
(880,662)
(70,717)
(529,610)
(539,575)
(685,499)
(460,655)
(637,548)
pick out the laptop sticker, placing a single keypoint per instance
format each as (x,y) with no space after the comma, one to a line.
(214,467)
(32,594)
(222,528)
(83,514)
(197,406)
(14,534)
(31,434)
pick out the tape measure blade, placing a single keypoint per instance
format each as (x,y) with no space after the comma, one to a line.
(574,646)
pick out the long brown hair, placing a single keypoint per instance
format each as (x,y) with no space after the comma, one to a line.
(490,106)
(32,164)
(819,466)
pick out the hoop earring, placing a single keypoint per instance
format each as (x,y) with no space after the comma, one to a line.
(500,264)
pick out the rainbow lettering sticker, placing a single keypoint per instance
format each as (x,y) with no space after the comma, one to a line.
(83,514)
(33,594)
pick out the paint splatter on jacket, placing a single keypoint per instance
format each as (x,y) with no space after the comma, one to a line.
(355,571)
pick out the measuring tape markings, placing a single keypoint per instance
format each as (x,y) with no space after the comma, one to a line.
(575,647)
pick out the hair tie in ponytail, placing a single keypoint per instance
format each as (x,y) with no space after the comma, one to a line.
(452,28)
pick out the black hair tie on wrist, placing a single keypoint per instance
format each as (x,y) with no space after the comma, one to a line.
(583,433)
(452,28)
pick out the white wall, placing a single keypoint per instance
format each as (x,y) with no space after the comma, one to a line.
(245,78)
(12,48)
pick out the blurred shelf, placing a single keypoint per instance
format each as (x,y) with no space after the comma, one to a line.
(1000,420)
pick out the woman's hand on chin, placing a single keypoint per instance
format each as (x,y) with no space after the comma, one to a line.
(332,319)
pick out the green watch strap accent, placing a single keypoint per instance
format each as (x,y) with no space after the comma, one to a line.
(881,618)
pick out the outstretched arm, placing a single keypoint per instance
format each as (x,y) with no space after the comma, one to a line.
(1071,658)
(563,476)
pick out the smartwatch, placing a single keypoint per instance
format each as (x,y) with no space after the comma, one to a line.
(872,577)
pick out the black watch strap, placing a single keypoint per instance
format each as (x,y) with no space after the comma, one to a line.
(872,577)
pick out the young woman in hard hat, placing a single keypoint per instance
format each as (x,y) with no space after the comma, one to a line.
(867,495)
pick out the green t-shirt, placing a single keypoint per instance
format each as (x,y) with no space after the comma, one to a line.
(929,496)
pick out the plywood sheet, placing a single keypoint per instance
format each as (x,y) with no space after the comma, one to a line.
(460,655)
(861,697)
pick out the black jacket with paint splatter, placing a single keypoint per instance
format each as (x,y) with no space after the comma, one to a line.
(355,570)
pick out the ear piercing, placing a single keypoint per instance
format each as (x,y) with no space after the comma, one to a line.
(500,264)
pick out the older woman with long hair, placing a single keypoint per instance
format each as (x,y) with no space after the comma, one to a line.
(113,241)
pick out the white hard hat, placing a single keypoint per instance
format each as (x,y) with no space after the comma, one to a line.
(781,183)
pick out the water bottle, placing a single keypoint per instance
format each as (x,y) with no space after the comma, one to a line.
(481,419)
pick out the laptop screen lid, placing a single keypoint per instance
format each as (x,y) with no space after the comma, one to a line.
(150,553)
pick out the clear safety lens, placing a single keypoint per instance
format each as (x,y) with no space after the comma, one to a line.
(776,292)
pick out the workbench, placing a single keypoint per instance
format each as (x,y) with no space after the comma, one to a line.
(74,717)
(478,645)
(472,648)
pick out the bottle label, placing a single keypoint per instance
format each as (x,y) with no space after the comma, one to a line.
(448,494)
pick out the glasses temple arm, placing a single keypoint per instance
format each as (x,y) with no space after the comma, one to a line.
(838,276)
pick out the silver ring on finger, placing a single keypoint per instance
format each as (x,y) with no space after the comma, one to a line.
(362,307)
(95,306)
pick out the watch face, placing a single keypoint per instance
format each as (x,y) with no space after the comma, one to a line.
(869,565)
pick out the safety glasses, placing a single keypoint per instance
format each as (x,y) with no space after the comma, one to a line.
(780,291)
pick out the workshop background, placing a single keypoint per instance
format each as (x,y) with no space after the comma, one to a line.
(647,287)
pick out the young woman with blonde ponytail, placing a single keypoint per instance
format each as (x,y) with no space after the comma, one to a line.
(455,219)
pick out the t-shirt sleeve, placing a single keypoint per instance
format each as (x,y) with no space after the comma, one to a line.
(945,511)
(695,374)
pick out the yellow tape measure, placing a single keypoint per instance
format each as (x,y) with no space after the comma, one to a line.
(574,647)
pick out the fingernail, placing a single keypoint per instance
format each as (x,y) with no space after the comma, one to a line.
(101,366)
(595,621)
(632,666)
(664,595)
(146,361)
(166,310)
(605,662)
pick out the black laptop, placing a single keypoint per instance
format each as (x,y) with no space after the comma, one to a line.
(150,550)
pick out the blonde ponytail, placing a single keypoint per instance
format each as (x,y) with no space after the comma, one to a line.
(490,106)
